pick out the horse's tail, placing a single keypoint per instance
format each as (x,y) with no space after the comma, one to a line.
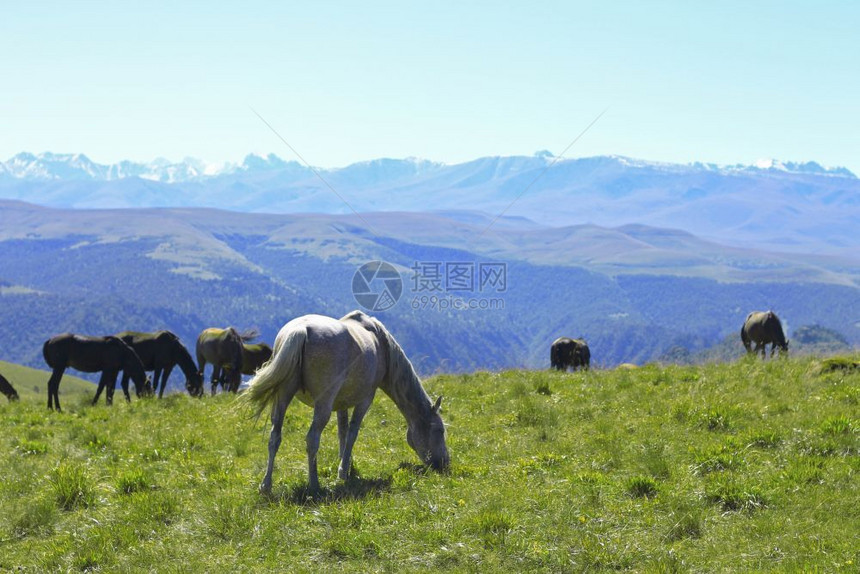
(284,368)
(249,335)
(745,338)
(45,348)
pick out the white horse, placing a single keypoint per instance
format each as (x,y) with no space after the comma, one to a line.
(333,364)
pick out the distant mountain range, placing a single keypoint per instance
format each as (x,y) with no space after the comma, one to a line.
(777,206)
(53,166)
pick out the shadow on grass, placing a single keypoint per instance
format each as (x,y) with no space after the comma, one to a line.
(355,488)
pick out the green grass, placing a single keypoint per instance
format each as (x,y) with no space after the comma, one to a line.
(749,466)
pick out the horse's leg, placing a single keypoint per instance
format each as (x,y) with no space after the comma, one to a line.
(110,386)
(322,414)
(100,388)
(202,362)
(103,386)
(342,427)
(216,377)
(164,376)
(122,383)
(352,434)
(54,388)
(124,386)
(278,412)
(156,377)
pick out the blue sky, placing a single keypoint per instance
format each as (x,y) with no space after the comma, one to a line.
(728,82)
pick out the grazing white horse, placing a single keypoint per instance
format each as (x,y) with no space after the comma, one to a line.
(337,364)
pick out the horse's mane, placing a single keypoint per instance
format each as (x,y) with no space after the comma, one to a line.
(170,334)
(401,380)
(182,356)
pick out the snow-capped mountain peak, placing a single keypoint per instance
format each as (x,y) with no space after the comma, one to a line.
(77,167)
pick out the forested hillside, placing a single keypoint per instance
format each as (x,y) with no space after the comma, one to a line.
(101,272)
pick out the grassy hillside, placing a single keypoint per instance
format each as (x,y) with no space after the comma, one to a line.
(749,466)
(32,384)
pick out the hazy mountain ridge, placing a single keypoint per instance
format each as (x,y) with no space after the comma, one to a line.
(63,166)
(794,207)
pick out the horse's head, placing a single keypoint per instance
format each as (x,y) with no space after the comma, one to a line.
(783,349)
(427,438)
(194,384)
(143,389)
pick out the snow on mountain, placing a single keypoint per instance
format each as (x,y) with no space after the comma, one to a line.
(54,166)
(78,167)
(51,166)
(255,162)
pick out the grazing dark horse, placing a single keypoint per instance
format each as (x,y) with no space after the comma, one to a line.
(223,348)
(337,365)
(763,328)
(7,389)
(160,352)
(571,353)
(110,355)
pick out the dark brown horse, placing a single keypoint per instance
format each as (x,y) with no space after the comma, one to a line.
(253,357)
(571,353)
(160,352)
(223,349)
(110,355)
(761,328)
(7,389)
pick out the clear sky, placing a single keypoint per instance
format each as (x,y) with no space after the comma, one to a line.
(726,82)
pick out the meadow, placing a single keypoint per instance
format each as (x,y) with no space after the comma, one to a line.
(730,467)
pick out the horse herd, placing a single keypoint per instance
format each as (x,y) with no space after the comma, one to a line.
(332,365)
(228,351)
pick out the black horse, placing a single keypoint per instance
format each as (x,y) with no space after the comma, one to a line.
(160,352)
(572,353)
(110,355)
(7,389)
(761,328)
